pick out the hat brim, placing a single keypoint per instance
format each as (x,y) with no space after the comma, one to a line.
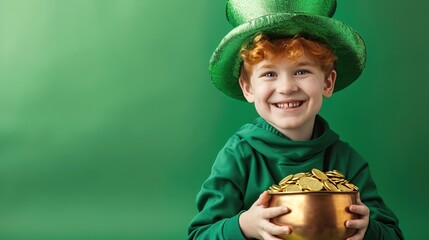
(346,43)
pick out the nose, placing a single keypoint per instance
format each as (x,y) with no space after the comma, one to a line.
(286,85)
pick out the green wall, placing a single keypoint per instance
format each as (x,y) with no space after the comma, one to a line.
(109,122)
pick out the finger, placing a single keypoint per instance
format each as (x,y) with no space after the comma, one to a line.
(274,211)
(359,209)
(263,199)
(267,236)
(273,229)
(359,201)
(356,224)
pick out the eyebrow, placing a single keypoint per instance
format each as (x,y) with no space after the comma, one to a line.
(305,63)
(268,65)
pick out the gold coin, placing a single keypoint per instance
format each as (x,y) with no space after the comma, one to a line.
(284,186)
(333,175)
(303,182)
(293,188)
(340,174)
(344,188)
(298,176)
(350,185)
(337,180)
(314,184)
(319,174)
(291,182)
(285,179)
(330,186)
(315,180)
(272,190)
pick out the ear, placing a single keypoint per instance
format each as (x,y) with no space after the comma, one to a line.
(329,84)
(246,87)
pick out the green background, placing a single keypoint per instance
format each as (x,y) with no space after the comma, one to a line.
(109,122)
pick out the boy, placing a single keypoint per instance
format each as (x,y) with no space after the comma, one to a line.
(285,72)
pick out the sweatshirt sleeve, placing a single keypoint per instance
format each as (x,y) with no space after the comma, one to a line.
(383,224)
(220,200)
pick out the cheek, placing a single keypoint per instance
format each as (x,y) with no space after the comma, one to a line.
(317,101)
(314,88)
(262,89)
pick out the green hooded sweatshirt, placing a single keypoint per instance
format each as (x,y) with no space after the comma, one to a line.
(257,156)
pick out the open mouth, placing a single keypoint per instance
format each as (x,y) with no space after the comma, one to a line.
(289,105)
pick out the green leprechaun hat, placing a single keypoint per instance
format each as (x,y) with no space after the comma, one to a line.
(311,19)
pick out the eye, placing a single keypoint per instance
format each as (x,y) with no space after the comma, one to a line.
(269,74)
(301,72)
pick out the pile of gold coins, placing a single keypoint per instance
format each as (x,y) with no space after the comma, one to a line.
(313,181)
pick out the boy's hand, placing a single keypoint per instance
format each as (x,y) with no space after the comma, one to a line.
(255,222)
(360,224)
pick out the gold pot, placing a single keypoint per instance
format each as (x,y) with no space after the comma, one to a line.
(315,215)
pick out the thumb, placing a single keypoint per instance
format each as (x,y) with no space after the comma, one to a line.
(359,201)
(263,200)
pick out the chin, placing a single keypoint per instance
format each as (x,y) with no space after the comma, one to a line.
(287,126)
(291,124)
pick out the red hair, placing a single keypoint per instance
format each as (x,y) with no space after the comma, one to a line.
(292,48)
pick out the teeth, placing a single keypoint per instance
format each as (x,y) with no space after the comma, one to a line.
(288,105)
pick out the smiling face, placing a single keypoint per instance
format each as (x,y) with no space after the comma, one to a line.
(287,93)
